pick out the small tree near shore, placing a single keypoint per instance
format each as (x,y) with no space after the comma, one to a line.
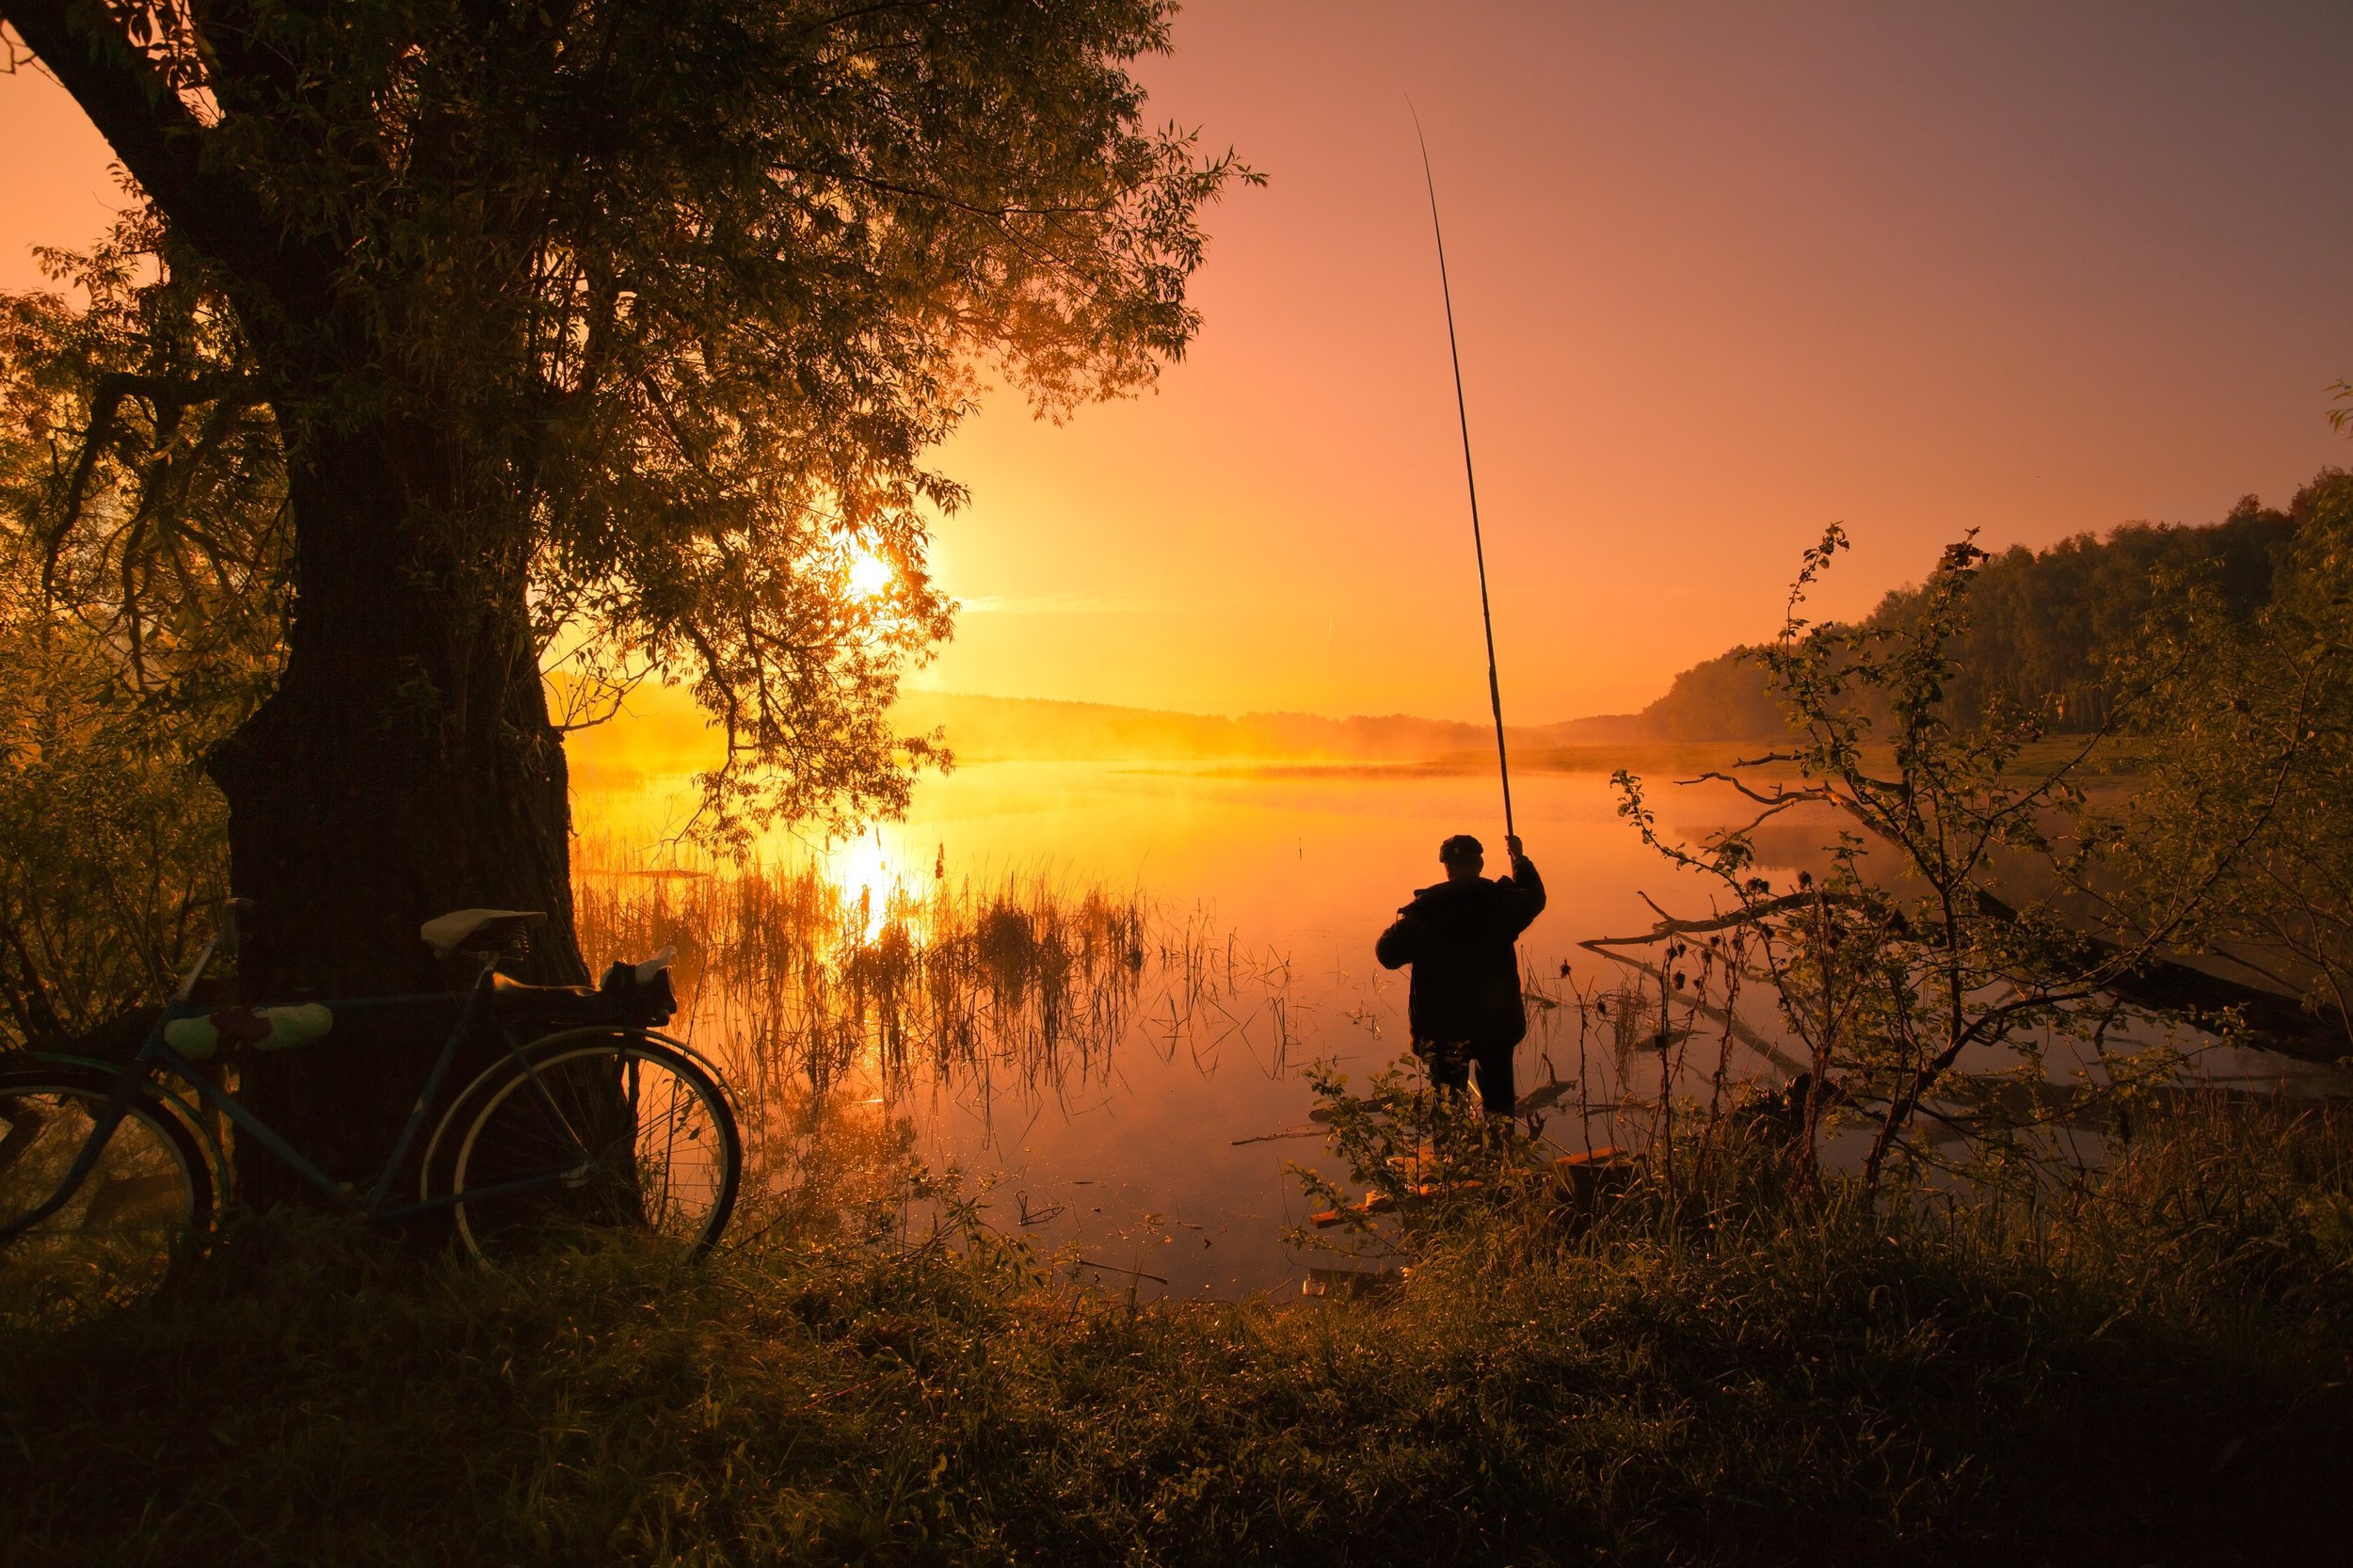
(2249,744)
(1957,927)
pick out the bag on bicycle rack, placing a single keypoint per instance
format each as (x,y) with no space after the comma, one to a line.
(635,995)
(640,993)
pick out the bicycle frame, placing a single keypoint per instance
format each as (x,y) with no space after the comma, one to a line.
(155,1053)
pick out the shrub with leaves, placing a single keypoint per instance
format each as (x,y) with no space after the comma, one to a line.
(2251,767)
(142,588)
(1949,944)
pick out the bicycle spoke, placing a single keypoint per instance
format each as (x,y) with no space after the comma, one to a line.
(635,1136)
(118,1232)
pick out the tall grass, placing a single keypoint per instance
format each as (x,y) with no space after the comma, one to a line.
(802,987)
(2152,1371)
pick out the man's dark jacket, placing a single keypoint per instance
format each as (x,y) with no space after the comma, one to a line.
(1458,937)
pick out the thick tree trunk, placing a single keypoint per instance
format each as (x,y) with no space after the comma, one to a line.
(405,767)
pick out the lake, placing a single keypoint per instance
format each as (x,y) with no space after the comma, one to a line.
(1155,1154)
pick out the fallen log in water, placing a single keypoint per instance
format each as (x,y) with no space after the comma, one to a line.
(2269,1020)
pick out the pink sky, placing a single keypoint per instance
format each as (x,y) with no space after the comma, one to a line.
(1722,275)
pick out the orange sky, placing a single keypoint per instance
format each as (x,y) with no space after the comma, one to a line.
(1723,274)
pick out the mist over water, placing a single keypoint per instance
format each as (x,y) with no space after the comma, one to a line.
(1110,976)
(1264,890)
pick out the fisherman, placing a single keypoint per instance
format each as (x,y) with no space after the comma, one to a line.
(1465,1004)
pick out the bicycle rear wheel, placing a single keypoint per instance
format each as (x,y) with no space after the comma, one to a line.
(618,1131)
(143,1207)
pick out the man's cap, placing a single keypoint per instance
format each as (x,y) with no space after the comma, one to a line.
(1461,847)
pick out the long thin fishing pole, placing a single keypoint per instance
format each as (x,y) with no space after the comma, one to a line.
(1462,411)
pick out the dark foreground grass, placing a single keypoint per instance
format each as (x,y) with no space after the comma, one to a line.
(2154,1374)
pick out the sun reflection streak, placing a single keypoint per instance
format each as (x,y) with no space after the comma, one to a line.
(873,880)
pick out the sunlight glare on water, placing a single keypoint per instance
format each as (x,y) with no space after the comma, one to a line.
(871,876)
(1145,1127)
(1266,886)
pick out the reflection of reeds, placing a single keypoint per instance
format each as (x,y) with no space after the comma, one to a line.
(797,985)
(801,979)
(813,992)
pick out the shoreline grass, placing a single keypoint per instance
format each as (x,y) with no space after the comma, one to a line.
(2154,1371)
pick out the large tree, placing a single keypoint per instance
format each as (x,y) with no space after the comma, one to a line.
(619,324)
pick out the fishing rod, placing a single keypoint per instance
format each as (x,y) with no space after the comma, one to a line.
(1462,411)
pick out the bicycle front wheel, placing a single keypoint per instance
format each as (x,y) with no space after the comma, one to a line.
(618,1131)
(144,1204)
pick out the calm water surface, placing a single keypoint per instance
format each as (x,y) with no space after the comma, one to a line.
(1165,1156)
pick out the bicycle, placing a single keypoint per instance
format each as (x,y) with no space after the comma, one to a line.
(107,1171)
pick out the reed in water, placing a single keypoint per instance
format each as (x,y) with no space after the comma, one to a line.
(802,983)
(816,975)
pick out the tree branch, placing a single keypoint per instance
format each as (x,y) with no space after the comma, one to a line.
(1669,926)
(106,400)
(162,144)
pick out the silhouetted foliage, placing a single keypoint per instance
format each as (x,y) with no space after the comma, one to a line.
(2048,629)
(2252,726)
(610,339)
(1950,922)
(142,594)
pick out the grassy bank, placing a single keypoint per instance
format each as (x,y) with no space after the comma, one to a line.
(2155,1373)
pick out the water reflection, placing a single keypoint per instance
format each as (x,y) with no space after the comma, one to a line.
(1092,987)
(870,877)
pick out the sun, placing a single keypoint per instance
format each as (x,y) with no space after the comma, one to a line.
(870,576)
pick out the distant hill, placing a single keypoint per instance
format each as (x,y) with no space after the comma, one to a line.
(2045,624)
(662,732)
(995,728)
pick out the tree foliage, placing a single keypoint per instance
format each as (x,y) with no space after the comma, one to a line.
(659,308)
(2252,752)
(1946,947)
(142,590)
(2051,631)
(142,487)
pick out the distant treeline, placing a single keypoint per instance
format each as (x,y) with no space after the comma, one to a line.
(985,729)
(2048,625)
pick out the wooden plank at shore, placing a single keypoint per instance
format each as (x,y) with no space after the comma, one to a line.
(1351,1284)
(1381,1203)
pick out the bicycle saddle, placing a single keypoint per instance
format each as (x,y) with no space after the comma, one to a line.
(480,932)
